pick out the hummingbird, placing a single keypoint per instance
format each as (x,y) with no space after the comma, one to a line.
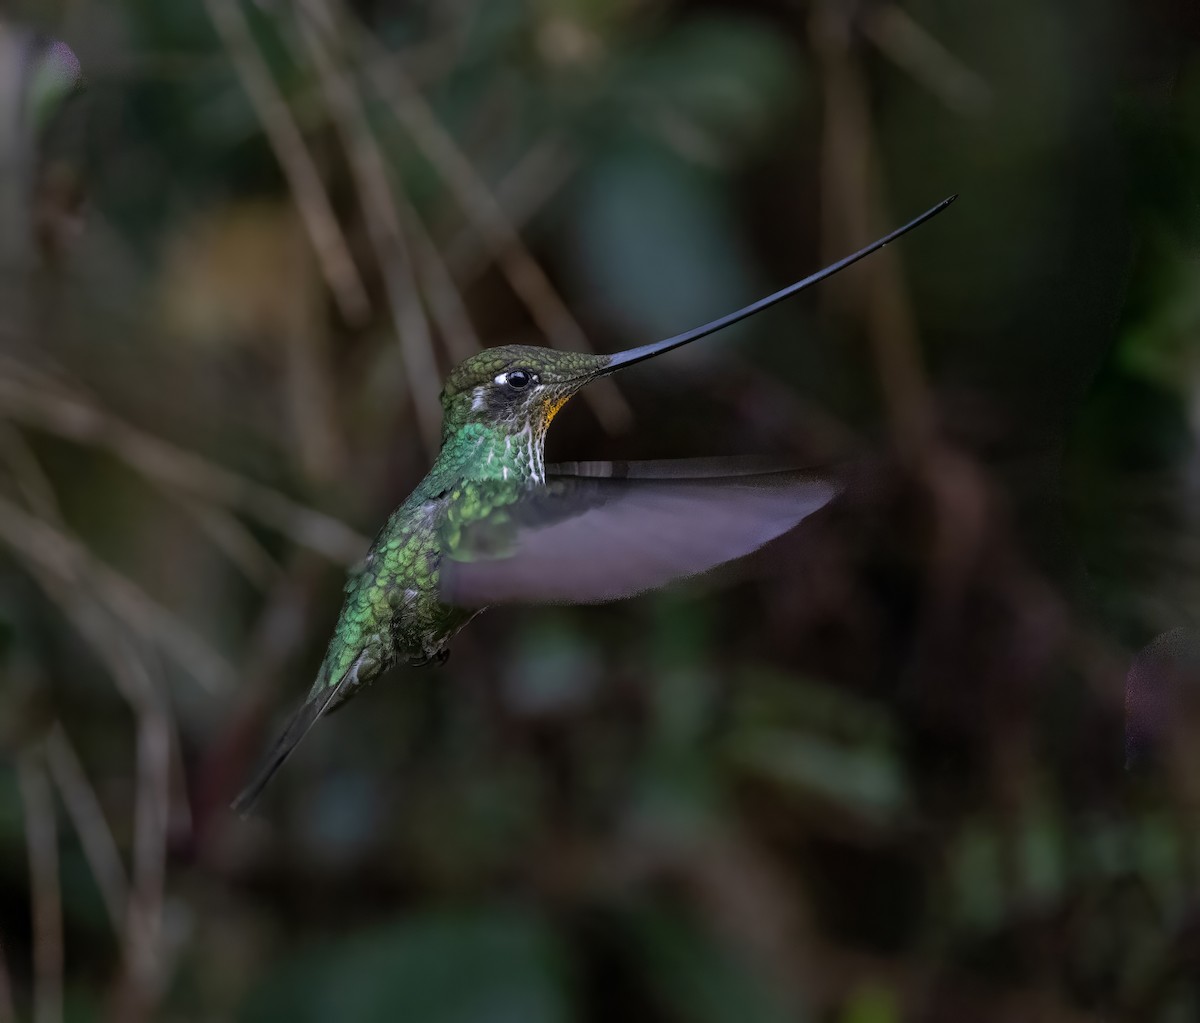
(491,523)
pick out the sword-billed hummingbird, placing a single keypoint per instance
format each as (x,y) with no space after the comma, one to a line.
(492,524)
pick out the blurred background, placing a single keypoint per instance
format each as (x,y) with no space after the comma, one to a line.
(876,773)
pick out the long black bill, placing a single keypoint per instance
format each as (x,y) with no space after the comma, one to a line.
(634,355)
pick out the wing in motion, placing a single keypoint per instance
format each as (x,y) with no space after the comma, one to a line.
(599,531)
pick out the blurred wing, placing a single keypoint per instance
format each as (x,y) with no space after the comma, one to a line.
(720,467)
(594,536)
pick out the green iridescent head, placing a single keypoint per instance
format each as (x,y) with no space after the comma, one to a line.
(514,386)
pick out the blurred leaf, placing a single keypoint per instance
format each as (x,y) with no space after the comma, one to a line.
(554,666)
(685,687)
(871,1004)
(1160,857)
(697,980)
(713,87)
(864,780)
(1164,345)
(82,900)
(56,74)
(975,876)
(1041,854)
(491,29)
(658,245)
(81,1006)
(772,698)
(183,24)
(818,740)
(481,967)
(654,226)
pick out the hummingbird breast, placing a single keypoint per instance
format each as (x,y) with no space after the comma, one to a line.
(392,614)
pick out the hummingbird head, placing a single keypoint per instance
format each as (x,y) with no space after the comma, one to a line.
(514,387)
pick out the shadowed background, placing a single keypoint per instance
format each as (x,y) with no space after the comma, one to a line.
(874,773)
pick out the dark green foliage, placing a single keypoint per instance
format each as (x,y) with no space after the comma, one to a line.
(478,967)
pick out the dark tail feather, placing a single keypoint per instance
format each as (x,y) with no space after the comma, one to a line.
(297,728)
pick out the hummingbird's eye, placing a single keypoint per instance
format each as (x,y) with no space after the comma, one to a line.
(517,379)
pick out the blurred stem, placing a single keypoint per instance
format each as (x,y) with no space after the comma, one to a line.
(37,401)
(751,899)
(281,629)
(383,227)
(228,534)
(142,977)
(850,209)
(906,42)
(521,193)
(40,544)
(311,385)
(31,481)
(446,301)
(15,148)
(138,910)
(99,845)
(41,838)
(144,946)
(525,275)
(17,162)
(54,555)
(428,62)
(297,163)
(8,1011)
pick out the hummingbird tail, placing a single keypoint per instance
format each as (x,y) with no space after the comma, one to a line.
(297,728)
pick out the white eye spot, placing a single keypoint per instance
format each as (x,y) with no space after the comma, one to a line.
(517,379)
